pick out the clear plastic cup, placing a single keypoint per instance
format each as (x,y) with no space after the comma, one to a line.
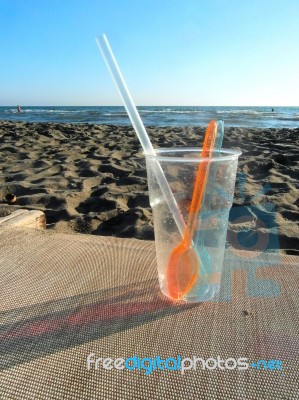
(180,166)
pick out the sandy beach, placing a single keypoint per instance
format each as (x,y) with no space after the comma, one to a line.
(92,179)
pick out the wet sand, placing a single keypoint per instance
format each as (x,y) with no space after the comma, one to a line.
(92,179)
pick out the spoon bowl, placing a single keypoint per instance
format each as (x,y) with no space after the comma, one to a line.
(182,272)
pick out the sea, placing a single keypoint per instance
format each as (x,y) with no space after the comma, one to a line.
(174,116)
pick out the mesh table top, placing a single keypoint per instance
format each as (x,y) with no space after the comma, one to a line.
(65,296)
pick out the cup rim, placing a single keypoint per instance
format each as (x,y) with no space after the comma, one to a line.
(229,154)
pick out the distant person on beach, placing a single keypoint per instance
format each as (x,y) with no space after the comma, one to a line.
(19,109)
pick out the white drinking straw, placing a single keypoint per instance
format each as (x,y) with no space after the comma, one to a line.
(118,78)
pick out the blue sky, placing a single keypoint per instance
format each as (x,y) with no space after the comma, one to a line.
(171,52)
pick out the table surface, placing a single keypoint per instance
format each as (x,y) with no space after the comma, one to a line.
(64,297)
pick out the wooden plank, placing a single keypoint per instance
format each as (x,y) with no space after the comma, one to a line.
(24,218)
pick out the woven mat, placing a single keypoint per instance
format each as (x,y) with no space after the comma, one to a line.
(65,296)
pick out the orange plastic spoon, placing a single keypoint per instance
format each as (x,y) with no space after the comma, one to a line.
(183,265)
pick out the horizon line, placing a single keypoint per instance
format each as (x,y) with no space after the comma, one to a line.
(164,105)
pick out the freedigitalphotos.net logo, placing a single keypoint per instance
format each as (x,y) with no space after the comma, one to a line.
(178,363)
(253,229)
(257,219)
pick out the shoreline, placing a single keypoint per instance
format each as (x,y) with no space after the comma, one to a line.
(91,178)
(234,116)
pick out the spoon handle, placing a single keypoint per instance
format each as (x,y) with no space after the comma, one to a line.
(211,179)
(200,182)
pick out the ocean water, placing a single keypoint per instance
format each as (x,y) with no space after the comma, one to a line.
(255,117)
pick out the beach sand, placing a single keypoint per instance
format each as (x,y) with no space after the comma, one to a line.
(92,179)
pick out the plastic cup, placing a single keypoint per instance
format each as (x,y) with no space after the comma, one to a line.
(180,166)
